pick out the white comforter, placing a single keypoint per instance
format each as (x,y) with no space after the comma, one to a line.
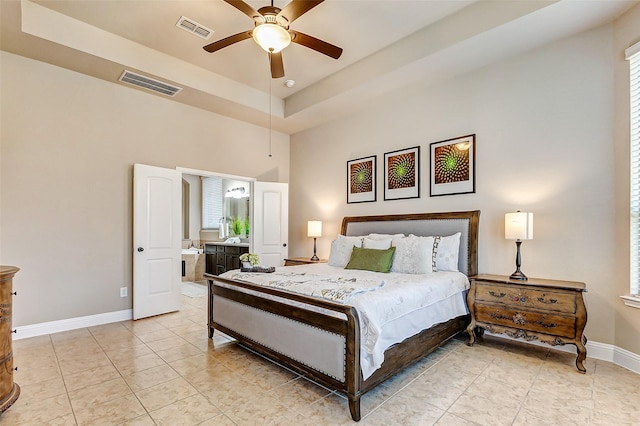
(401,306)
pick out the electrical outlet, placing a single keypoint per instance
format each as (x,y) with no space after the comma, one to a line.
(123,292)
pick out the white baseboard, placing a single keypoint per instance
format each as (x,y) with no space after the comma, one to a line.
(595,350)
(627,359)
(50,327)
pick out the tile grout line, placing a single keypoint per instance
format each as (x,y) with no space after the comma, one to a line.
(64,382)
(526,396)
(222,413)
(458,397)
(122,377)
(410,382)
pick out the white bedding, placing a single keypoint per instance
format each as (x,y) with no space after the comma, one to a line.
(401,307)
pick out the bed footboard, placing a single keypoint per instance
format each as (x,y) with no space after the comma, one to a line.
(323,345)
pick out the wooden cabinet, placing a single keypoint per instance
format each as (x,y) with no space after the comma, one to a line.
(302,261)
(549,311)
(9,391)
(220,258)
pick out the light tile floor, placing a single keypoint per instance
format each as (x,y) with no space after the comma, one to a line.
(165,371)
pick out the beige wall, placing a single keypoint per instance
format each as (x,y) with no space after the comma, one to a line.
(627,319)
(68,143)
(544,124)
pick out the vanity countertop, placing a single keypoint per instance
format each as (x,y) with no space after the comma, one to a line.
(222,243)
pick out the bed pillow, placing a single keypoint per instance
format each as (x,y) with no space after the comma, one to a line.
(394,237)
(341,249)
(380,244)
(414,255)
(371,259)
(385,236)
(447,250)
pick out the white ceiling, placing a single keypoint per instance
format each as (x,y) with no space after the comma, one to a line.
(388,44)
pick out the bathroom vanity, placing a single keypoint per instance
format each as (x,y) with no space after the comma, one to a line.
(222,257)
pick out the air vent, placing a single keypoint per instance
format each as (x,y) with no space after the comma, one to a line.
(194,28)
(149,83)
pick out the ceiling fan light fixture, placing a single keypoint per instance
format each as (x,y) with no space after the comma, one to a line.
(271,37)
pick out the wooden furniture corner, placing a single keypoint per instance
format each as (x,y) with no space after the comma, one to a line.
(549,311)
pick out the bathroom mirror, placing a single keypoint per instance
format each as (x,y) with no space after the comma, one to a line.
(185,208)
(237,207)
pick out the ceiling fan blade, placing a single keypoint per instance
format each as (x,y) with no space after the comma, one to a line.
(297,8)
(245,8)
(217,45)
(277,66)
(316,44)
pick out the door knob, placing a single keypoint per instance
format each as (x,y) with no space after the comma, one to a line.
(284,245)
(140,249)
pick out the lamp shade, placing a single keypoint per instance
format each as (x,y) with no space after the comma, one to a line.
(314,228)
(271,37)
(518,226)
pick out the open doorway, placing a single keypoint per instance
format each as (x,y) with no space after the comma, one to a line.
(216,224)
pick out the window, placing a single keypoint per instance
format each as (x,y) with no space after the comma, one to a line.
(211,202)
(633,55)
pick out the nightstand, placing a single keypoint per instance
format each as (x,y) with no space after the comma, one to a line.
(294,261)
(549,311)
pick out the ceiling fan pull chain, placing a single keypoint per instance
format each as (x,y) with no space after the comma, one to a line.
(270,116)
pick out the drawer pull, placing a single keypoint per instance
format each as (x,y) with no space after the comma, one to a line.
(549,325)
(547,302)
(498,295)
(517,318)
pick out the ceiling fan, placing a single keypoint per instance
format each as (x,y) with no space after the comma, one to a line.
(272,33)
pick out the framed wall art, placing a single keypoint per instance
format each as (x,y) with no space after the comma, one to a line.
(361,180)
(402,174)
(452,165)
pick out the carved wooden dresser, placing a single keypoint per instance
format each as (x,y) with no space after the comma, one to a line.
(9,391)
(549,311)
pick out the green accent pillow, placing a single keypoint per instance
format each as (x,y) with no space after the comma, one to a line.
(371,259)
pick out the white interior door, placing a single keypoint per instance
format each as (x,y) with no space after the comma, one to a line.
(271,222)
(157,201)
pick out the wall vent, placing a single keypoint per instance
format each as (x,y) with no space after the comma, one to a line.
(149,83)
(194,28)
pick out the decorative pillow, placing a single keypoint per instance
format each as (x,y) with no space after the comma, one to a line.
(381,244)
(447,250)
(341,249)
(371,259)
(414,255)
(385,236)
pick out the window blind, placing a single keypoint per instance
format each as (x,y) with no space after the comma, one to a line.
(211,202)
(633,55)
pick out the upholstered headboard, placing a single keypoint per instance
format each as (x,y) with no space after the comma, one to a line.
(425,224)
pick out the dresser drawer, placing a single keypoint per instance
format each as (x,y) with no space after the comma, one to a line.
(518,297)
(556,325)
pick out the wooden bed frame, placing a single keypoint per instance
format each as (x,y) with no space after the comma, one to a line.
(344,319)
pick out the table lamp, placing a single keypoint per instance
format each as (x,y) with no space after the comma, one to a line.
(314,229)
(518,226)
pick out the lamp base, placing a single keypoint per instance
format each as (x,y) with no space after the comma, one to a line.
(518,275)
(315,257)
